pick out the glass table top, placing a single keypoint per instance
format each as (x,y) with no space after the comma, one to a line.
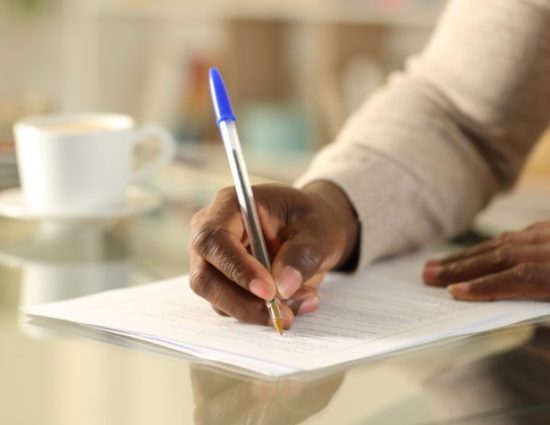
(50,376)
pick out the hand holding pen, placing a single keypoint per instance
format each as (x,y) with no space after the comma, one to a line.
(226,123)
(307,232)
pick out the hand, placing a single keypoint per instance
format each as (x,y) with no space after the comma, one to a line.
(308,232)
(513,265)
(220,398)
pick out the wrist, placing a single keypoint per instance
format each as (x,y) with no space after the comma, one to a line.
(334,203)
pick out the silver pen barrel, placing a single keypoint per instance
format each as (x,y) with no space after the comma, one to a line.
(247,204)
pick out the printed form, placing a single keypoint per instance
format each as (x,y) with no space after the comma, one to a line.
(381,310)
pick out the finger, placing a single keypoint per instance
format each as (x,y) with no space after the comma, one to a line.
(306,299)
(220,311)
(478,249)
(527,237)
(218,235)
(230,300)
(210,284)
(501,258)
(299,258)
(226,252)
(316,280)
(539,226)
(525,281)
(288,316)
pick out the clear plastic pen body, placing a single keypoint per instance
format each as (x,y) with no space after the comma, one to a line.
(249,211)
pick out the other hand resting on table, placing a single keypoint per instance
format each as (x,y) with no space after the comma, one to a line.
(512,266)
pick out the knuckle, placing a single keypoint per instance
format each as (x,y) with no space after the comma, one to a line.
(525,272)
(453,269)
(228,191)
(447,272)
(204,285)
(506,237)
(533,278)
(205,241)
(232,268)
(200,281)
(501,257)
(199,284)
(227,194)
(209,243)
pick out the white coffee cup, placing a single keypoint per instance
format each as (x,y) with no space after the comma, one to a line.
(82,162)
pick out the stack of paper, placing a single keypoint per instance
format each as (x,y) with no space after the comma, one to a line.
(379,311)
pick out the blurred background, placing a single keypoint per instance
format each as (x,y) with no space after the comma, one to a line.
(295,68)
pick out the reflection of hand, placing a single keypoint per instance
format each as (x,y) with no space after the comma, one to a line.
(540,343)
(307,232)
(221,399)
(514,265)
(504,387)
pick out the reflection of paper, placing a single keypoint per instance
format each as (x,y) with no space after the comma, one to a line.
(369,314)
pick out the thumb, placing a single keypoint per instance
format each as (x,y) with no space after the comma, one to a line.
(298,259)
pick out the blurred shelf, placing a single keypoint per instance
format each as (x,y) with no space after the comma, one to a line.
(412,14)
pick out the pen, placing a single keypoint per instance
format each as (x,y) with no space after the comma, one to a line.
(228,130)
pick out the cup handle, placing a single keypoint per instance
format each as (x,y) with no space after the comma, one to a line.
(166,154)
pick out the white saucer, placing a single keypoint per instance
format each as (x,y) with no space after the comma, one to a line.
(138,200)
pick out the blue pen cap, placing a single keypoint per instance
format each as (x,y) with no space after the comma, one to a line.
(220,98)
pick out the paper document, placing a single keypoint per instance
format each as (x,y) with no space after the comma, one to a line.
(384,309)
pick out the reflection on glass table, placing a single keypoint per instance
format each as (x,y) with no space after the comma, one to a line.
(511,387)
(221,398)
(508,387)
(500,378)
(63,261)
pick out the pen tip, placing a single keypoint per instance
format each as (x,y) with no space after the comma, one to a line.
(278,324)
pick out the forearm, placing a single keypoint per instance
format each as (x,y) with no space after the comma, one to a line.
(420,158)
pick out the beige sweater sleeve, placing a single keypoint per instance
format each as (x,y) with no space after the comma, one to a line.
(421,157)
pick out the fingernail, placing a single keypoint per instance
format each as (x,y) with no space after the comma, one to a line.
(432,272)
(309,305)
(459,289)
(261,289)
(289,282)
